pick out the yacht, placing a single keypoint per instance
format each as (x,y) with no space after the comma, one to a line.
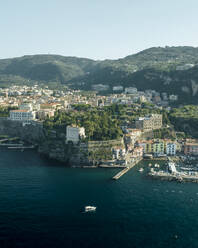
(90,208)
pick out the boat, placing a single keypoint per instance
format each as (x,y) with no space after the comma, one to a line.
(150,165)
(157,165)
(90,208)
(141,170)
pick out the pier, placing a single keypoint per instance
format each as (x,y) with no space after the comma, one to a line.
(125,170)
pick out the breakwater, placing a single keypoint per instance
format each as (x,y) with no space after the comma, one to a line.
(181,177)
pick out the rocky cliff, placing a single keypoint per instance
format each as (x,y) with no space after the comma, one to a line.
(32,133)
(54,147)
(49,143)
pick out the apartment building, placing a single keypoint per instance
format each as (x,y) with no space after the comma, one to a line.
(191,148)
(74,134)
(148,123)
(22,115)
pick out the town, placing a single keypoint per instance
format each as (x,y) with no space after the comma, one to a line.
(140,127)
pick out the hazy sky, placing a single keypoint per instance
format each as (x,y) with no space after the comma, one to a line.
(96,29)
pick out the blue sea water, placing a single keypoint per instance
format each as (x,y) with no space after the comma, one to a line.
(42,202)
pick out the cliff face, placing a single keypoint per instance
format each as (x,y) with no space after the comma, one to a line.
(54,147)
(31,133)
(50,143)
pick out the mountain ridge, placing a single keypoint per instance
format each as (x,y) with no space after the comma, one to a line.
(153,68)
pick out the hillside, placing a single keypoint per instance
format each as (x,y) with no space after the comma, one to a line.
(43,68)
(155,68)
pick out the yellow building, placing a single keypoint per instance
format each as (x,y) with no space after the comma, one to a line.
(149,146)
(158,147)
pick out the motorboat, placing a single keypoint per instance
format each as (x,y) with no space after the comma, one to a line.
(90,208)
(141,170)
(150,165)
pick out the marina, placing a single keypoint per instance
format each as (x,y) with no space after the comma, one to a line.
(176,173)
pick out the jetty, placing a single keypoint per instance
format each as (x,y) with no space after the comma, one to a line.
(126,169)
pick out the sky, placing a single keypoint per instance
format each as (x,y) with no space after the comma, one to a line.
(96,29)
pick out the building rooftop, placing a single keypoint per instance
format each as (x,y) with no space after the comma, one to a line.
(19,110)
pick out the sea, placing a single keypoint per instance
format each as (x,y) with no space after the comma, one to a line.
(42,206)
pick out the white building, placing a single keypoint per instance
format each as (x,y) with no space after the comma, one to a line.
(184,67)
(74,134)
(26,106)
(173,97)
(100,87)
(131,90)
(22,115)
(118,88)
(118,152)
(171,149)
(172,168)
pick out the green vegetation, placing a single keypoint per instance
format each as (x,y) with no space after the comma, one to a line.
(4,111)
(99,124)
(103,123)
(185,119)
(164,133)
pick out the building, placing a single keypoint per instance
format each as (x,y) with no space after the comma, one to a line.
(173,97)
(44,113)
(118,152)
(148,123)
(22,115)
(132,136)
(191,148)
(172,168)
(171,149)
(137,152)
(158,148)
(26,106)
(118,88)
(131,90)
(74,134)
(184,67)
(100,87)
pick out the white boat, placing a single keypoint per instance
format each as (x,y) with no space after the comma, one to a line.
(150,165)
(157,165)
(141,169)
(90,208)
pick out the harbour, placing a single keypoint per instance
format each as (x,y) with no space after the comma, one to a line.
(176,172)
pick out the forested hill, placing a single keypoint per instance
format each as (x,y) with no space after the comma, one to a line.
(170,69)
(43,68)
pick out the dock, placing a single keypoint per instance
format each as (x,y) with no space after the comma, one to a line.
(126,169)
